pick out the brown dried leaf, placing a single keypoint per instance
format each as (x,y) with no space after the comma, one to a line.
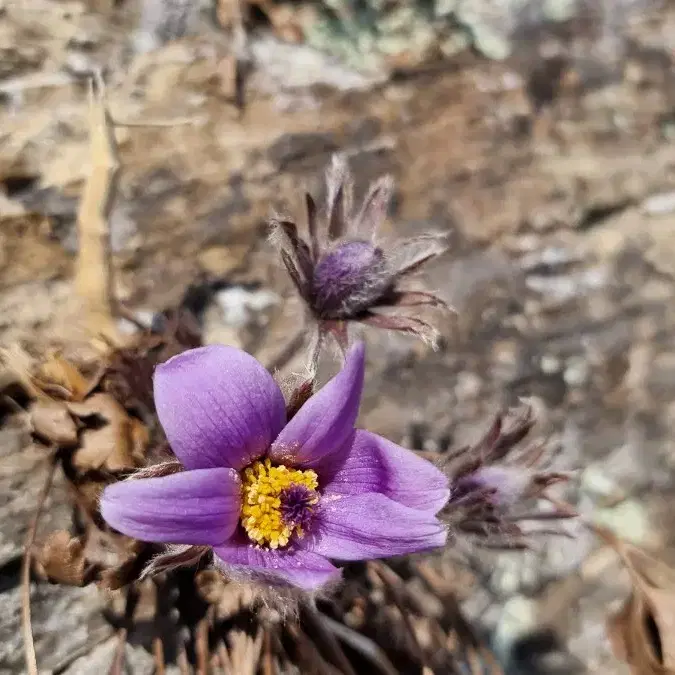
(62,559)
(20,364)
(89,495)
(54,377)
(642,633)
(119,445)
(58,377)
(52,422)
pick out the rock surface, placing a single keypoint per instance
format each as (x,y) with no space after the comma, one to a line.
(558,205)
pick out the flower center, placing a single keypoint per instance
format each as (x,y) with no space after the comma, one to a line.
(277,502)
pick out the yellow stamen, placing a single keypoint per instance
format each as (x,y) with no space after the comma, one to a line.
(261,516)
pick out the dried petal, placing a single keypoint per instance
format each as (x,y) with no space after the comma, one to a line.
(119,445)
(58,372)
(52,422)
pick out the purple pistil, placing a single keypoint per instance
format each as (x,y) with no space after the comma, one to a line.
(296,505)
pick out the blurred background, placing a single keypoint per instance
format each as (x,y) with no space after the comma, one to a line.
(539,134)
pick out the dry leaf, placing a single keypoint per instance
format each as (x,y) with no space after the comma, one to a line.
(52,422)
(89,495)
(19,362)
(62,559)
(54,377)
(642,633)
(118,445)
(59,377)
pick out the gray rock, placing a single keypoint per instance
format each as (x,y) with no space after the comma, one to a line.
(137,660)
(519,617)
(23,469)
(66,622)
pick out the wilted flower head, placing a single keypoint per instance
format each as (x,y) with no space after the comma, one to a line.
(276,499)
(343,274)
(494,479)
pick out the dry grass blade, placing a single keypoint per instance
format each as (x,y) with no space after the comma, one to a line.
(94,275)
(317,621)
(267,664)
(183,662)
(361,644)
(117,665)
(397,589)
(29,645)
(202,646)
(244,653)
(308,656)
(158,656)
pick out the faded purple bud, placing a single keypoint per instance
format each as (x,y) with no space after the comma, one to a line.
(492,482)
(349,280)
(343,275)
(500,485)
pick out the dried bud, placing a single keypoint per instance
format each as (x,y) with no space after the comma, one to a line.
(343,274)
(492,481)
(500,485)
(349,280)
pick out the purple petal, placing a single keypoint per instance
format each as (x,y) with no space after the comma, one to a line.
(293,566)
(372,526)
(219,407)
(193,507)
(375,464)
(326,421)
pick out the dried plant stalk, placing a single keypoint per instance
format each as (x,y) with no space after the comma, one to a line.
(94,274)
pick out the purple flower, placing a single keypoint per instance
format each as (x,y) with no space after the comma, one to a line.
(343,274)
(277,499)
